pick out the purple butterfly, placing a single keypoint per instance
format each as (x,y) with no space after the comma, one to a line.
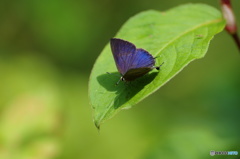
(131,62)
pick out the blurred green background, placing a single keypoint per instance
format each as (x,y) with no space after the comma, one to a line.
(47,50)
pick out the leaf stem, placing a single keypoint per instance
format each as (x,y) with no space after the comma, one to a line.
(237,40)
(231,26)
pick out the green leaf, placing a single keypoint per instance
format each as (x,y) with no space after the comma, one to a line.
(177,36)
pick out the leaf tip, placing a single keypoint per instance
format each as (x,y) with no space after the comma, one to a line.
(97,125)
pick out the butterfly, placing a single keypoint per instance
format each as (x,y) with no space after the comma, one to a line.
(131,62)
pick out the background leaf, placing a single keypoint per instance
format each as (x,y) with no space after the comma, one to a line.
(177,36)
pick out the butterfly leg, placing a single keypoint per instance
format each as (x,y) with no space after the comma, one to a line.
(121,79)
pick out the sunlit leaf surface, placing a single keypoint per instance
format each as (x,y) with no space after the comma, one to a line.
(177,36)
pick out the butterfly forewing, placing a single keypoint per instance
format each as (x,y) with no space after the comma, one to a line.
(123,52)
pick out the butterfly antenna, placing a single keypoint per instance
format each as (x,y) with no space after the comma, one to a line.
(156,57)
(113,74)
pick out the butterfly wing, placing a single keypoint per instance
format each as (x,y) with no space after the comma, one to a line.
(127,57)
(132,74)
(141,64)
(123,52)
(142,59)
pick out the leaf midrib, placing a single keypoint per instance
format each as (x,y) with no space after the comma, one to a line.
(177,37)
(174,39)
(188,31)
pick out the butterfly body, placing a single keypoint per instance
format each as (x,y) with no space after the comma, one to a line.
(131,62)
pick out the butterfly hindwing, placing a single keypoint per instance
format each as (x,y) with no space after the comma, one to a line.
(142,59)
(132,74)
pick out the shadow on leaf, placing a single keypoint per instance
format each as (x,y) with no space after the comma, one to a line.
(125,90)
